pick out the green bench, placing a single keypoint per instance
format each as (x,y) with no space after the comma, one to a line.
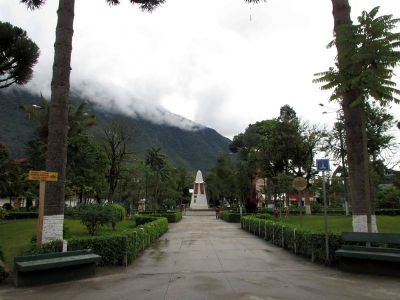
(370,253)
(54,267)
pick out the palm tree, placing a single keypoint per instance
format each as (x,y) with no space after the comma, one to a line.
(365,61)
(56,157)
(157,163)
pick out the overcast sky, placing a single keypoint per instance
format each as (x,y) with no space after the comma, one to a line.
(221,63)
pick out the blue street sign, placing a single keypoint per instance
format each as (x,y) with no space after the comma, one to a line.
(323,165)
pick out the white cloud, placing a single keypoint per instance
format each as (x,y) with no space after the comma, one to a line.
(221,63)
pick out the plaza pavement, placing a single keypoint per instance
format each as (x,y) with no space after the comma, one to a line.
(204,258)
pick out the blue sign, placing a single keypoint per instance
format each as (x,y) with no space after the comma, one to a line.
(323,165)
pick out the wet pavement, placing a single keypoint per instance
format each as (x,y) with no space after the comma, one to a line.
(204,258)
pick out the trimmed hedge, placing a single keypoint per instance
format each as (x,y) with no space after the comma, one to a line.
(16,215)
(299,241)
(115,250)
(231,217)
(122,249)
(172,216)
(143,219)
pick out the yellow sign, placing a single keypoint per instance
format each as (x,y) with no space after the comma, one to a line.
(299,184)
(43,176)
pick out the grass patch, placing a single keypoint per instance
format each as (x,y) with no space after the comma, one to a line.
(16,235)
(339,224)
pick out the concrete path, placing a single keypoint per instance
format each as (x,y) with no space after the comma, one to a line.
(204,258)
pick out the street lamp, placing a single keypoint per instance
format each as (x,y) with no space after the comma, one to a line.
(342,154)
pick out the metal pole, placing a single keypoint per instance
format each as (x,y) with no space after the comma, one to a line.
(344,171)
(301,215)
(39,235)
(325,219)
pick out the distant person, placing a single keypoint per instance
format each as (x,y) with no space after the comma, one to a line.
(217,212)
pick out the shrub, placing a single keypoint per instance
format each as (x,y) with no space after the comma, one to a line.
(118,213)
(141,219)
(3,213)
(316,208)
(172,216)
(94,216)
(388,197)
(232,217)
(122,249)
(299,241)
(7,206)
(16,215)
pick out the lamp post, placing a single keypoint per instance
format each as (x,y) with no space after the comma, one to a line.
(342,155)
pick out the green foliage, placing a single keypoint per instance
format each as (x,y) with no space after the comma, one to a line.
(3,213)
(232,217)
(119,211)
(192,150)
(367,61)
(172,217)
(19,55)
(141,219)
(299,241)
(121,249)
(16,215)
(94,216)
(388,197)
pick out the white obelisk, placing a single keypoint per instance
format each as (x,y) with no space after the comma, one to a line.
(199,198)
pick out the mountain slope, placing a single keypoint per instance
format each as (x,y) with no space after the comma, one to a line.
(196,149)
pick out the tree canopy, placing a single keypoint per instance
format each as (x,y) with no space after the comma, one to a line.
(18,55)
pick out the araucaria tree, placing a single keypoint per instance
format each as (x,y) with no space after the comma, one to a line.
(56,157)
(366,57)
(18,55)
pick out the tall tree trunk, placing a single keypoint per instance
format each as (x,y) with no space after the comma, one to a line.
(356,138)
(56,158)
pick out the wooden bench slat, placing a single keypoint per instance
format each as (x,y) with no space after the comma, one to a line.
(370,249)
(395,257)
(384,238)
(55,262)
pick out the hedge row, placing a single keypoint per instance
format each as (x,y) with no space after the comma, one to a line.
(232,217)
(299,241)
(330,211)
(115,250)
(16,215)
(172,217)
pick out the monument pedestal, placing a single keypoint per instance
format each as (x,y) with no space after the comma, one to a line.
(199,198)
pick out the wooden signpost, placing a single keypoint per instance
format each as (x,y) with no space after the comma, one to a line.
(42,177)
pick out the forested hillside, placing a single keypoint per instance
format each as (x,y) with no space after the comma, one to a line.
(196,149)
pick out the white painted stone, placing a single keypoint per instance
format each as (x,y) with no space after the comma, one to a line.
(65,246)
(52,228)
(360,223)
(199,197)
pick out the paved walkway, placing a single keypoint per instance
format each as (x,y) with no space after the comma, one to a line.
(202,258)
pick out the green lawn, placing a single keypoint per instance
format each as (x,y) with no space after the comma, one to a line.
(16,235)
(339,224)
